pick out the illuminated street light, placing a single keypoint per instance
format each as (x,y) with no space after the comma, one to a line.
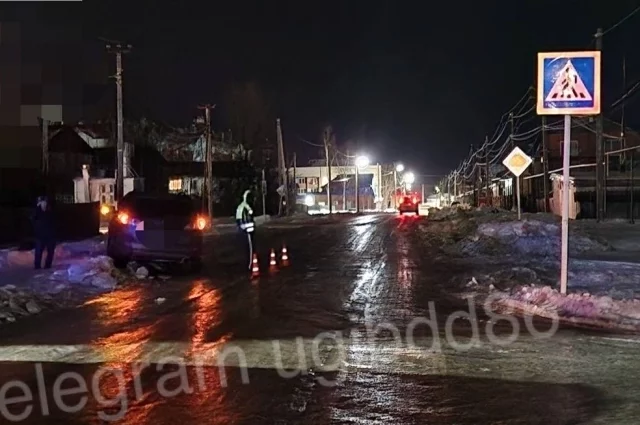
(409,178)
(362,161)
(399,168)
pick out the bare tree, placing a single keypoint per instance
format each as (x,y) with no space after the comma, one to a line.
(250,119)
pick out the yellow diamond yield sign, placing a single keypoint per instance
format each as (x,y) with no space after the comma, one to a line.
(517,161)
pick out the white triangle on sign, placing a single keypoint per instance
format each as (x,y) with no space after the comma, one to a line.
(568,86)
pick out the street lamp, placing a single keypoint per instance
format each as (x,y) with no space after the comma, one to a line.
(361,162)
(399,169)
(409,178)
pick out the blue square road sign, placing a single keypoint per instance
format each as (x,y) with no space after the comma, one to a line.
(568,83)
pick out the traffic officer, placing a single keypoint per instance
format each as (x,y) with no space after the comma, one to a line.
(244,219)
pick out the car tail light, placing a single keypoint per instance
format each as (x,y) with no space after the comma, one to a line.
(124,218)
(199,223)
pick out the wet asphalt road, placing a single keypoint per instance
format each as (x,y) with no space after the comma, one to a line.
(347,332)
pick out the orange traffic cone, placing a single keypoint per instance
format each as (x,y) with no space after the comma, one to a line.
(285,254)
(255,267)
(272,261)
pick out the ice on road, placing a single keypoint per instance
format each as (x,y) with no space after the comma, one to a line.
(356,328)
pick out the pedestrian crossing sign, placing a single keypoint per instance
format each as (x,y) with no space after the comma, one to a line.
(569,83)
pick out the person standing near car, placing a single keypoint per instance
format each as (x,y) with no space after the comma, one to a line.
(44,232)
(244,220)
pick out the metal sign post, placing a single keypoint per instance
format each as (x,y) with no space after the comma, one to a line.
(518,195)
(566,188)
(517,162)
(568,84)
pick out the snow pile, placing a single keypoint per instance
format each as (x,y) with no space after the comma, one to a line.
(583,309)
(448,213)
(64,252)
(526,237)
(98,272)
(15,303)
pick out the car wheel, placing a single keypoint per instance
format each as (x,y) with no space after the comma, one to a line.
(120,262)
(195,264)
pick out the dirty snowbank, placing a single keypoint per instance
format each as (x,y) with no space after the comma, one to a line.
(66,286)
(517,262)
(64,253)
(527,237)
(530,291)
(576,309)
(31,292)
(494,232)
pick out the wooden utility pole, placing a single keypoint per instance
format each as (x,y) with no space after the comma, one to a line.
(45,147)
(119,49)
(326,138)
(545,164)
(295,179)
(208,158)
(478,188)
(344,183)
(264,194)
(486,171)
(282,168)
(631,209)
(599,150)
(514,181)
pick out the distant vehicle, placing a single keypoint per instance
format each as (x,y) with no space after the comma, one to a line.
(162,227)
(408,205)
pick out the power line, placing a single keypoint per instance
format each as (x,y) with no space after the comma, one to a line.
(310,143)
(621,21)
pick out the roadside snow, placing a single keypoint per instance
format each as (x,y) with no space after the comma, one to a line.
(526,237)
(518,260)
(64,253)
(96,271)
(579,309)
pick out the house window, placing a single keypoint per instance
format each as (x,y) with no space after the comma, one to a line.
(301,180)
(573,148)
(175,184)
(302,190)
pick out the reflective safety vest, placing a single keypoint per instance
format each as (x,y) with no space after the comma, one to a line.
(244,215)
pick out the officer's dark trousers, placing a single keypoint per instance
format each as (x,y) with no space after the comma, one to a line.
(247,241)
(47,244)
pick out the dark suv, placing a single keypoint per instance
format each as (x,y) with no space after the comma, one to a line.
(156,227)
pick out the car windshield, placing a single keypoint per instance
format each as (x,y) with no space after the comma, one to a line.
(160,207)
(407,200)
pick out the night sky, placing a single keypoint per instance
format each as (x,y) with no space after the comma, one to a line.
(411,81)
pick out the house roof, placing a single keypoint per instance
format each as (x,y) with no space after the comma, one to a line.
(338,185)
(65,139)
(98,130)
